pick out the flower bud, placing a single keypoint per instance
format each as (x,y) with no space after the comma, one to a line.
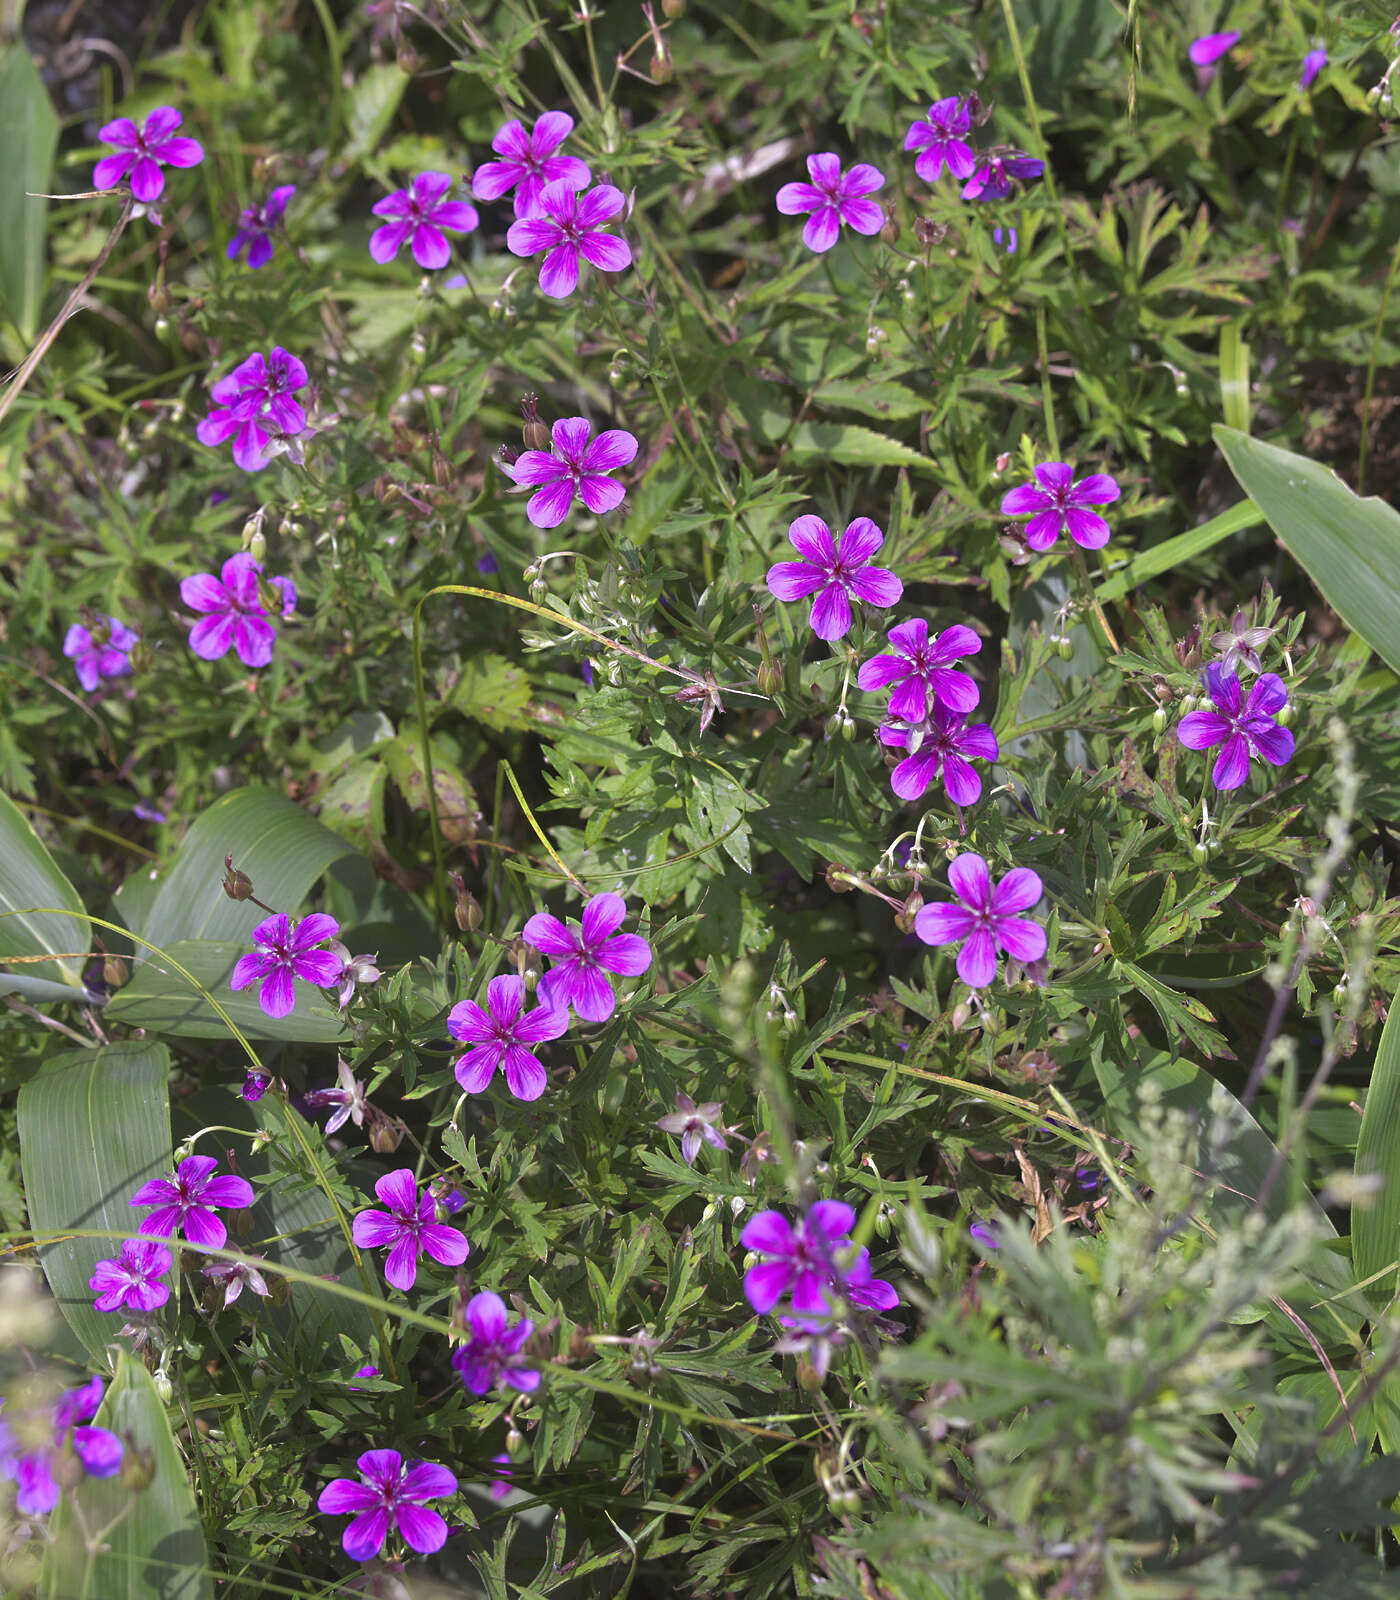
(663,65)
(1064,646)
(386,1135)
(115,972)
(674,9)
(1339,994)
(517,1447)
(237,885)
(139,1466)
(163,1386)
(257,545)
(1188,704)
(258,1377)
(1199,853)
(1159,720)
(535,433)
(890,234)
(1285,716)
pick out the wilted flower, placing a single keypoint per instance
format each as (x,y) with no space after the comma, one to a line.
(29,1460)
(574,467)
(987,920)
(840,574)
(143,151)
(348,1097)
(530,164)
(408,1227)
(582,956)
(234,1275)
(498,1037)
(1246,730)
(419,214)
(692,1123)
(256,225)
(253,405)
(1238,645)
(389,1492)
(834,197)
(942,140)
(1058,506)
(233,615)
(101,651)
(566,226)
(287,953)
(946,744)
(185,1200)
(494,1351)
(133,1277)
(992,179)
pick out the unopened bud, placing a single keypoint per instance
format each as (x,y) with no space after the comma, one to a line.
(663,66)
(517,1447)
(890,232)
(1064,646)
(960,1013)
(1284,717)
(386,1135)
(1339,994)
(674,9)
(535,433)
(1002,462)
(161,326)
(115,972)
(1159,720)
(237,885)
(769,677)
(1199,853)
(139,1466)
(163,1386)
(257,545)
(159,296)
(258,1377)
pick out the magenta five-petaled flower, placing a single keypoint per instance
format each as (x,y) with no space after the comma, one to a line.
(1247,729)
(498,1036)
(253,405)
(566,225)
(257,224)
(576,467)
(288,951)
(530,164)
(1059,505)
(944,744)
(101,651)
(941,140)
(409,1227)
(185,1201)
(133,1277)
(494,1351)
(233,615)
(919,673)
(143,151)
(987,920)
(389,1491)
(834,197)
(235,1276)
(33,1443)
(805,1265)
(419,214)
(584,954)
(836,575)
(994,174)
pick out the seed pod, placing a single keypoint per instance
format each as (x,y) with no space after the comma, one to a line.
(1159,721)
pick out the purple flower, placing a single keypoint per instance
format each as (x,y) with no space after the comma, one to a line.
(1007,234)
(348,1097)
(693,1123)
(986,1232)
(234,1275)
(101,651)
(389,1491)
(498,1037)
(185,1199)
(27,1459)
(420,213)
(804,1263)
(409,1226)
(919,671)
(493,1352)
(233,611)
(356,971)
(530,163)
(945,744)
(256,225)
(133,1278)
(254,1087)
(143,151)
(1313,63)
(362,1372)
(1238,645)
(254,406)
(147,812)
(287,952)
(1058,505)
(575,466)
(566,225)
(992,179)
(1246,732)
(987,919)
(1208,49)
(941,141)
(834,197)
(838,574)
(579,953)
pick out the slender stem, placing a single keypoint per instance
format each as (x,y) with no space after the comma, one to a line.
(70,306)
(1047,398)
(1371,370)
(420,702)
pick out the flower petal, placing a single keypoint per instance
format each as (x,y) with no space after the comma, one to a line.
(627,954)
(876,586)
(344,1494)
(971,881)
(765,1284)
(610,450)
(1019,890)
(794,580)
(559,274)
(1021,938)
(977,960)
(423,1531)
(942,923)
(823,228)
(831,613)
(770,1233)
(1201,730)
(544,933)
(364,1538)
(606,251)
(1232,764)
(525,1077)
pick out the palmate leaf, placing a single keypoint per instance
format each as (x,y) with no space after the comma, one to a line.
(93,1126)
(156,1551)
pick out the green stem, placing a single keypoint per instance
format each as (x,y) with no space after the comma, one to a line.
(1371,370)
(420,703)
(1047,398)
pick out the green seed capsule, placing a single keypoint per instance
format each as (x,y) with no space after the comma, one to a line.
(1200,854)
(1159,721)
